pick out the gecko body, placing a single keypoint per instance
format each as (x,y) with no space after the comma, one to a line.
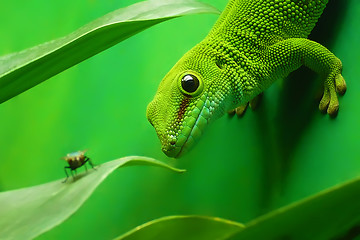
(252,44)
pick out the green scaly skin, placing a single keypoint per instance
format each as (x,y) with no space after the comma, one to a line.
(253,43)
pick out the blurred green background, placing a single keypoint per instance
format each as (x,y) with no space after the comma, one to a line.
(242,168)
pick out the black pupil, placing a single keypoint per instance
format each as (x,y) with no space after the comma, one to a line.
(190,83)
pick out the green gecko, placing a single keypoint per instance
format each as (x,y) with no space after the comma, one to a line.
(252,44)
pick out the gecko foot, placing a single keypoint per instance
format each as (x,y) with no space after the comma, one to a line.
(240,111)
(333,84)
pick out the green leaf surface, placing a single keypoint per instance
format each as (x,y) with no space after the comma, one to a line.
(23,70)
(324,216)
(184,227)
(28,212)
(331,214)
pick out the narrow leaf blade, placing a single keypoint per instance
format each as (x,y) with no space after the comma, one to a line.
(184,227)
(28,212)
(23,70)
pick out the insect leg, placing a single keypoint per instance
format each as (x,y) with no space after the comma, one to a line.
(90,162)
(67,175)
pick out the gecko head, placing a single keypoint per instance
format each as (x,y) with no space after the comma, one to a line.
(190,96)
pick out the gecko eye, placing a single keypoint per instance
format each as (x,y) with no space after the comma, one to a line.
(190,83)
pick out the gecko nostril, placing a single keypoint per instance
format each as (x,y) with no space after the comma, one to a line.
(172,142)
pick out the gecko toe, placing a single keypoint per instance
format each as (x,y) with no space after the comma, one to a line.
(340,84)
(240,111)
(325,100)
(333,110)
(254,103)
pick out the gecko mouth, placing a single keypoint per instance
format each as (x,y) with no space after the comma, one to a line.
(191,139)
(184,148)
(193,125)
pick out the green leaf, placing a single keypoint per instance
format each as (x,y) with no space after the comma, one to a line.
(325,216)
(184,227)
(23,70)
(28,212)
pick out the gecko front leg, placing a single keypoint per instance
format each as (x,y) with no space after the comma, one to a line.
(288,55)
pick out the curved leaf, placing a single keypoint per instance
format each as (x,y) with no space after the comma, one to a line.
(326,215)
(23,70)
(323,216)
(184,227)
(28,212)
